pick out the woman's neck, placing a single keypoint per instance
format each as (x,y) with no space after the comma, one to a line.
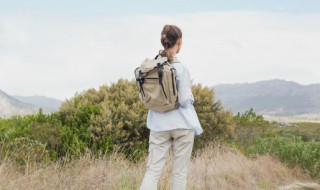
(171,52)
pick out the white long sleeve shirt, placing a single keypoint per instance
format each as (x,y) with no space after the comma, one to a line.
(185,117)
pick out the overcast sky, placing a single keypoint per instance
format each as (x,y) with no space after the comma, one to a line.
(58,48)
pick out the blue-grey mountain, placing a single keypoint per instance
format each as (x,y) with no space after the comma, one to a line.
(49,104)
(272,97)
(10,106)
(22,105)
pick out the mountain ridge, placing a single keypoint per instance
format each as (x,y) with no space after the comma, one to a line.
(10,106)
(274,97)
(23,105)
(48,103)
(270,97)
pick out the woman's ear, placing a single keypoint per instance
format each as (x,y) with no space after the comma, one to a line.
(179,41)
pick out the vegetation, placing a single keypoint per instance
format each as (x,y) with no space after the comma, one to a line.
(211,168)
(217,123)
(110,119)
(249,126)
(33,137)
(295,144)
(307,131)
(294,152)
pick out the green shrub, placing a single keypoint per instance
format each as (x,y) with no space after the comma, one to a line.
(292,151)
(249,126)
(217,123)
(114,119)
(109,119)
(24,152)
(41,128)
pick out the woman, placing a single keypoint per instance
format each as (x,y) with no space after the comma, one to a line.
(175,128)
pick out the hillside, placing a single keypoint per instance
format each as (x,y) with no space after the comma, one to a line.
(272,97)
(10,106)
(47,103)
(22,105)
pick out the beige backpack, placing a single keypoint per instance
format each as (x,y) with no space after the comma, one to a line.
(156,81)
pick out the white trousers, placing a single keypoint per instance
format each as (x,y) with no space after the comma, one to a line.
(160,142)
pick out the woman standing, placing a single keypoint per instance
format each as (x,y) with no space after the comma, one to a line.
(175,128)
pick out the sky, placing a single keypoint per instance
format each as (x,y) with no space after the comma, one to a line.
(58,48)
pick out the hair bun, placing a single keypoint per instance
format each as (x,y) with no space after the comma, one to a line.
(169,37)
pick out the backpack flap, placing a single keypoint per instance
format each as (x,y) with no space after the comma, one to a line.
(149,64)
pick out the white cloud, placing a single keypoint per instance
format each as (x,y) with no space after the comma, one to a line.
(59,55)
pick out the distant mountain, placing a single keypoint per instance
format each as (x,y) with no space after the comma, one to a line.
(50,104)
(10,106)
(272,97)
(22,105)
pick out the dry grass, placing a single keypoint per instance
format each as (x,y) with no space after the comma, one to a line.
(214,168)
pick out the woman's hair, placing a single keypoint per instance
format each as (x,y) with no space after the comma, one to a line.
(169,37)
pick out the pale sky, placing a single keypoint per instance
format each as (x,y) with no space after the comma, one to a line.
(58,48)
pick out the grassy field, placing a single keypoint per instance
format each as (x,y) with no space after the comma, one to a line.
(305,126)
(306,130)
(260,155)
(214,168)
(305,118)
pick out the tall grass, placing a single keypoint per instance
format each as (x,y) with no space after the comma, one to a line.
(219,167)
(292,151)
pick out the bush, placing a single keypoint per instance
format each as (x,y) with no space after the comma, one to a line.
(292,151)
(216,122)
(113,118)
(249,126)
(22,151)
(110,119)
(40,128)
